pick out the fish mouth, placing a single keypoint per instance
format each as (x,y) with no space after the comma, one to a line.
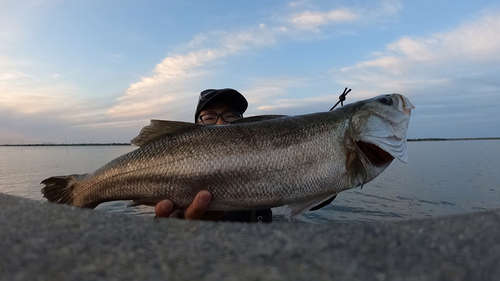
(375,155)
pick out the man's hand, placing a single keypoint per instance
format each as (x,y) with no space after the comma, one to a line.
(195,211)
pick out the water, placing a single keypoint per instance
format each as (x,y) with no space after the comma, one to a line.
(23,168)
(441,178)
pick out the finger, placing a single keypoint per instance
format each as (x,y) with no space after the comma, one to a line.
(199,206)
(164,208)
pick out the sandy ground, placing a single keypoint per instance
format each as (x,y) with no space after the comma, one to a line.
(45,241)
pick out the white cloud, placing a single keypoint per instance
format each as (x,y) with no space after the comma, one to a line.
(269,90)
(173,81)
(9,74)
(473,41)
(311,20)
(29,95)
(287,95)
(308,17)
(450,75)
(153,94)
(387,8)
(58,100)
(473,44)
(292,105)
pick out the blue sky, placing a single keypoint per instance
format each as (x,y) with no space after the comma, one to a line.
(97,71)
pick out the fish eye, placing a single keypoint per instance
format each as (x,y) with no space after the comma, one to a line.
(385,100)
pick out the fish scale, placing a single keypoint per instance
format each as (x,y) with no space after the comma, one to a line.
(298,161)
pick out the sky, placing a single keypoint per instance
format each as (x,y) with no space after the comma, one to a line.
(97,71)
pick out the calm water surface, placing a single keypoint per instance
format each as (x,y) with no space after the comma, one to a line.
(441,178)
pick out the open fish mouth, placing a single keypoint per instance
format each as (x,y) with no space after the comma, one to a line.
(375,155)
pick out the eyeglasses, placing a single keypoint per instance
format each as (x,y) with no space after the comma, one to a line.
(212,118)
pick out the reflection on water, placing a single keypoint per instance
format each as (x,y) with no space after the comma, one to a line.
(441,178)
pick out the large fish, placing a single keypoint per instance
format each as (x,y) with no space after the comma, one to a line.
(256,162)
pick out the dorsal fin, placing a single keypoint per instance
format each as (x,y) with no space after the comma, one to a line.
(256,118)
(159,128)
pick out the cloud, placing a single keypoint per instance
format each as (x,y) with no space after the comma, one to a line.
(40,109)
(308,17)
(153,92)
(475,41)
(473,44)
(269,91)
(169,90)
(10,74)
(296,106)
(288,96)
(166,93)
(26,94)
(171,79)
(172,83)
(449,76)
(312,20)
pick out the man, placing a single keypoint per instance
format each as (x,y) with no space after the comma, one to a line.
(215,107)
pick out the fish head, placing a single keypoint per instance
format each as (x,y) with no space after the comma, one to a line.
(378,128)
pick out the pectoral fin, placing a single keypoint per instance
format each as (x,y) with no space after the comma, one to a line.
(296,209)
(143,201)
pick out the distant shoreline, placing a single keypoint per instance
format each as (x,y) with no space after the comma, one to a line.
(69,144)
(128,144)
(451,139)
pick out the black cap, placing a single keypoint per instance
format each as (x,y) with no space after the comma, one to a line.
(231,96)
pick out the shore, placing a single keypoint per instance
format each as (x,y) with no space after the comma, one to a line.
(451,139)
(128,144)
(69,144)
(45,241)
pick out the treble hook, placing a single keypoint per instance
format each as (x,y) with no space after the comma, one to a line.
(341,98)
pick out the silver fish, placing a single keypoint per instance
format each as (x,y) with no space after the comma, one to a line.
(254,163)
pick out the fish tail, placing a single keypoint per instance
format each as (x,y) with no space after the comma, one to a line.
(59,189)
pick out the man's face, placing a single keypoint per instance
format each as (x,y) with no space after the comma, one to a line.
(218,108)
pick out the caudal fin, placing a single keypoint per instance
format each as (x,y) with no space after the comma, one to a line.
(60,189)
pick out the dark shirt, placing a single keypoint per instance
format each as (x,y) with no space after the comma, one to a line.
(265,215)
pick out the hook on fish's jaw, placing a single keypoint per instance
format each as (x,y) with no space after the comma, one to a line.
(341,98)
